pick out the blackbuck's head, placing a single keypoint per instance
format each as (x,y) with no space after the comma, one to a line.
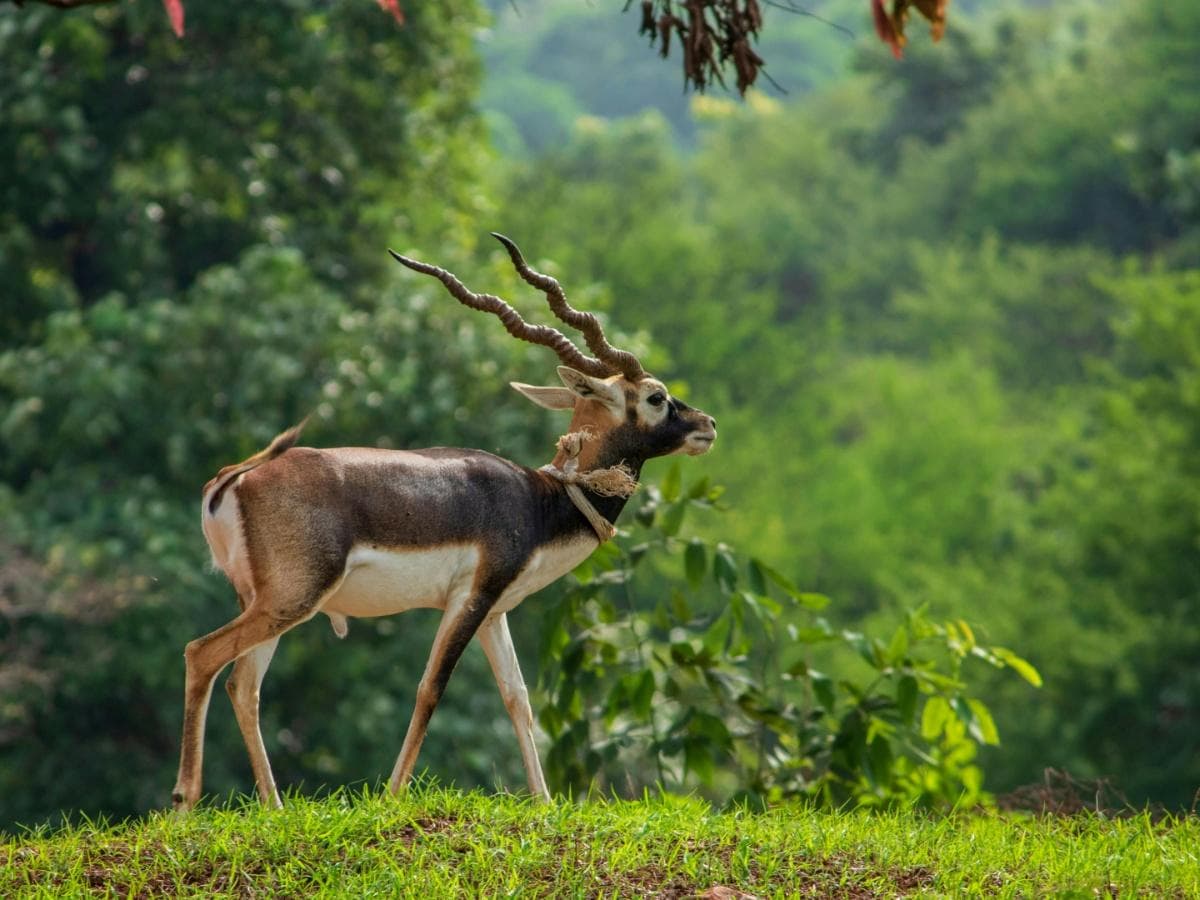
(630,414)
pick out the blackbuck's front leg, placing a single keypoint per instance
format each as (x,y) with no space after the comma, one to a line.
(497,644)
(458,626)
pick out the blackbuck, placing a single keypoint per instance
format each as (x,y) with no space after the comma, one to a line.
(357,532)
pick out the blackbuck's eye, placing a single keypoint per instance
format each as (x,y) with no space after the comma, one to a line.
(657,399)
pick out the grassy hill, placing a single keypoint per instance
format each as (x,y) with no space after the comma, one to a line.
(441,843)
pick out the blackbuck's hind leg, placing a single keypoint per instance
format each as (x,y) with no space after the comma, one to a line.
(497,644)
(454,632)
(205,658)
(243,687)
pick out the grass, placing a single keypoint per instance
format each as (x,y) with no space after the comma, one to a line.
(443,843)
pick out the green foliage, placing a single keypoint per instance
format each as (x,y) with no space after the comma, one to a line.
(1101,169)
(550,63)
(1007,305)
(717,683)
(1132,488)
(931,93)
(131,161)
(945,305)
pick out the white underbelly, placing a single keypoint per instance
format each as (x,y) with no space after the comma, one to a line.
(546,565)
(383,582)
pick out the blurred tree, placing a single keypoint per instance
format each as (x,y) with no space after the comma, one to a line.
(131,162)
(1133,490)
(1106,167)
(918,329)
(1006,306)
(928,96)
(192,244)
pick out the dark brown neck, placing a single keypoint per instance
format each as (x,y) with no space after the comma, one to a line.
(613,453)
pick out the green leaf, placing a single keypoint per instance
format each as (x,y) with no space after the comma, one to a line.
(983,732)
(867,648)
(780,580)
(937,681)
(968,635)
(898,648)
(713,729)
(877,726)
(671,483)
(933,717)
(1021,666)
(763,607)
(699,489)
(814,635)
(695,561)
(679,606)
(684,654)
(585,571)
(987,725)
(880,758)
(672,520)
(906,699)
(698,759)
(606,557)
(823,690)
(717,634)
(725,569)
(643,694)
(616,702)
(809,600)
(756,577)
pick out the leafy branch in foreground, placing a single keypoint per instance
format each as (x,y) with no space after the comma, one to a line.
(712,34)
(718,683)
(175,11)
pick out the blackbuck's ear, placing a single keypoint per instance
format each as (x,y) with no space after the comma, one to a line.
(548,397)
(590,388)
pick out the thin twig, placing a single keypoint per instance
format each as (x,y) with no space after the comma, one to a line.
(767,75)
(801,11)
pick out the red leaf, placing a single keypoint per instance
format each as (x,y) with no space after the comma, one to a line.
(935,12)
(393,6)
(174,10)
(886,28)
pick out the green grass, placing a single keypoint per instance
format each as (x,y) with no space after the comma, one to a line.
(441,843)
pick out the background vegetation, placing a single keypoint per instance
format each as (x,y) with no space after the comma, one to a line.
(947,312)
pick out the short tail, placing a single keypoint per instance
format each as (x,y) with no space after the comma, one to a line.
(283,442)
